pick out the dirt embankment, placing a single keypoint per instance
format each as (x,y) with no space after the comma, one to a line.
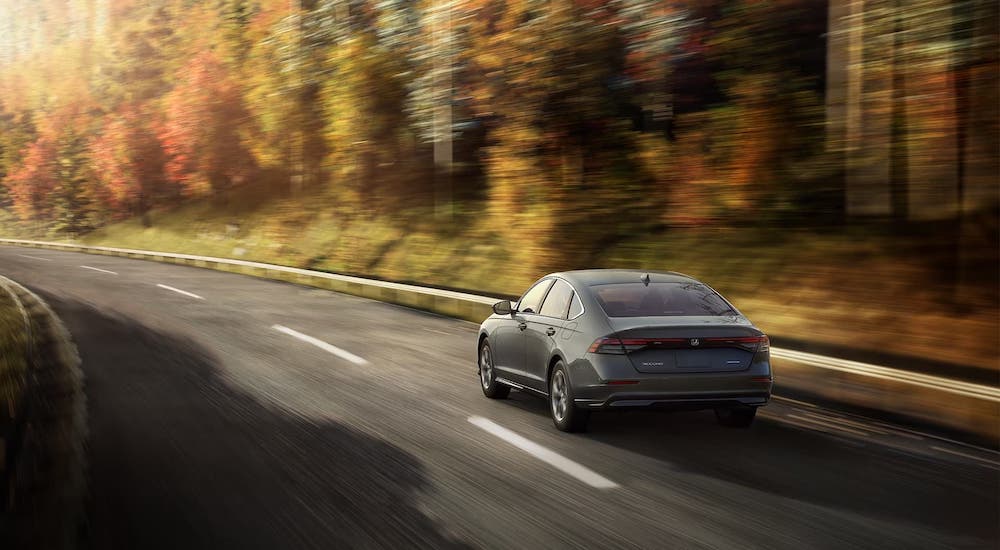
(42,425)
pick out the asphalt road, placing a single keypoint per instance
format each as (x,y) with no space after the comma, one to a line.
(244,413)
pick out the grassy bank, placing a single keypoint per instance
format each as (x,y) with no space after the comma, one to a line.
(13,379)
(13,354)
(855,288)
(44,460)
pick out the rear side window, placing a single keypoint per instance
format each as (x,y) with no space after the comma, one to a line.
(575,308)
(533,297)
(557,302)
(660,300)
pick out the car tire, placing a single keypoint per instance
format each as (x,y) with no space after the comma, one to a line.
(487,374)
(736,418)
(565,415)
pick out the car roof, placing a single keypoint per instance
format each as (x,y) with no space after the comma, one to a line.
(590,277)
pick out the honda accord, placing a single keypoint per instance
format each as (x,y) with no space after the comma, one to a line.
(615,339)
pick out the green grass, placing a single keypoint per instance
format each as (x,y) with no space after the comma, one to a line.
(855,288)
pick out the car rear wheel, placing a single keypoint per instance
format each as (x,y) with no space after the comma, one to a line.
(565,415)
(736,418)
(487,374)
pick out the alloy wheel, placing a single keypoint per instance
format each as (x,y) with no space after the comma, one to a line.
(559,396)
(485,367)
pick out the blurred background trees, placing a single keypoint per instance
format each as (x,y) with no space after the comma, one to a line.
(574,122)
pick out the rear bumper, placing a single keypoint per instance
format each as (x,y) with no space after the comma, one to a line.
(670,401)
(611,382)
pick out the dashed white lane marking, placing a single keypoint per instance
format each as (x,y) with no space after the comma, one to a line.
(98,269)
(973,457)
(179,291)
(552,458)
(342,353)
(829,425)
(39,258)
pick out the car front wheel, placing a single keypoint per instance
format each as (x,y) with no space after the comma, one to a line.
(565,415)
(487,374)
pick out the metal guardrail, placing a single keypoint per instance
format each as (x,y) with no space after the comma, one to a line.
(446,302)
(269,267)
(970,407)
(957,387)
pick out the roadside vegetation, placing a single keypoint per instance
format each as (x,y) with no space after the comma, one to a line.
(13,355)
(478,144)
(849,288)
(43,426)
(14,365)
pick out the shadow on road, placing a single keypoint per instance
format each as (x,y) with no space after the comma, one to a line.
(859,475)
(182,459)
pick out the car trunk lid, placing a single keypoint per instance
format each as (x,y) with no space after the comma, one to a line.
(687,344)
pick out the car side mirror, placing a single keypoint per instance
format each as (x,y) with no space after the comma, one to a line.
(503,308)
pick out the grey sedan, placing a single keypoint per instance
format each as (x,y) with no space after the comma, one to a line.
(616,339)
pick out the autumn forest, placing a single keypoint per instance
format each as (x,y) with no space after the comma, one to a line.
(537,114)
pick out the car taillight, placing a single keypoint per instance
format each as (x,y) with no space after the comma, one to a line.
(621,346)
(763,350)
(607,345)
(749,343)
(636,344)
(628,345)
(765,344)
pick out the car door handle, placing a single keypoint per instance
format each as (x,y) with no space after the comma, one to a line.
(550,331)
(522,326)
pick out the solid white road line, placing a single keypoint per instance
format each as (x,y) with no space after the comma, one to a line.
(824,424)
(796,401)
(39,258)
(179,291)
(342,353)
(99,269)
(846,422)
(552,458)
(956,453)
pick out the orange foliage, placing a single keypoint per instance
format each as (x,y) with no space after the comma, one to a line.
(128,158)
(34,180)
(32,183)
(200,134)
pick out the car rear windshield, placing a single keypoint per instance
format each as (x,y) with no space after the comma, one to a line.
(659,299)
